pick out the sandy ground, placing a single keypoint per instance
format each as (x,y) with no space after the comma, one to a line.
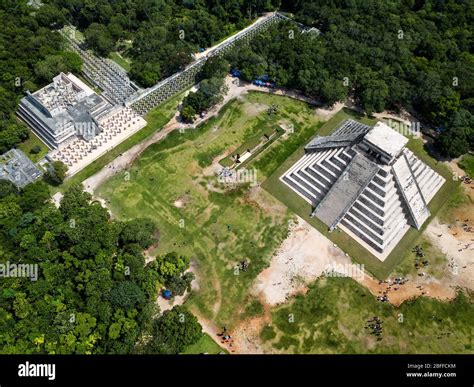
(56,198)
(297,263)
(306,254)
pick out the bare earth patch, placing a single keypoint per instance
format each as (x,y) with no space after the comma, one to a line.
(301,259)
(180,203)
(458,246)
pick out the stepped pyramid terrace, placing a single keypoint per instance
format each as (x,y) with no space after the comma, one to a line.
(365,181)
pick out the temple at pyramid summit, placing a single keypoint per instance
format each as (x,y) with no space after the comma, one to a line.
(365,181)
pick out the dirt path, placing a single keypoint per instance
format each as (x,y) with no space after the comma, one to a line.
(236,89)
(126,159)
(213,331)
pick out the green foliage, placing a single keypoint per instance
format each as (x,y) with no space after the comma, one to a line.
(210,91)
(35,150)
(458,138)
(180,283)
(164,34)
(93,294)
(188,113)
(56,172)
(99,39)
(383,54)
(173,331)
(7,188)
(34,195)
(126,295)
(138,231)
(170,265)
(267,333)
(215,67)
(27,43)
(467,163)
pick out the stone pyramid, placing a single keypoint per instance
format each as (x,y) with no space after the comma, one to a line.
(365,181)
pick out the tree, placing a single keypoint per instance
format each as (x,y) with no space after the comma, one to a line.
(34,195)
(35,150)
(126,295)
(170,265)
(50,16)
(11,135)
(179,284)
(74,200)
(146,74)
(188,113)
(7,188)
(458,137)
(56,172)
(99,39)
(215,67)
(138,231)
(92,295)
(173,331)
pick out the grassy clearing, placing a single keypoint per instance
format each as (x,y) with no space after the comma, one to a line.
(455,205)
(120,60)
(320,323)
(170,184)
(299,206)
(32,141)
(467,164)
(204,345)
(436,258)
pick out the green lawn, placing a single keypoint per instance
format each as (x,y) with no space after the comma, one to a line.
(217,228)
(299,206)
(437,267)
(31,142)
(205,345)
(467,163)
(320,322)
(120,60)
(253,142)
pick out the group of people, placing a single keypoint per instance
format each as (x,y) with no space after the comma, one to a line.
(375,326)
(226,338)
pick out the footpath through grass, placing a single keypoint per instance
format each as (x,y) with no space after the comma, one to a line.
(156,119)
(174,184)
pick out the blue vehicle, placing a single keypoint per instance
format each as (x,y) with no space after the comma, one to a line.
(167,294)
